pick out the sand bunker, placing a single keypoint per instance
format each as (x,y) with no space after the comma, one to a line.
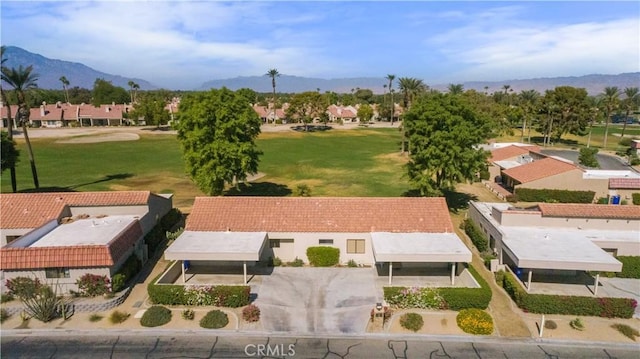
(109,137)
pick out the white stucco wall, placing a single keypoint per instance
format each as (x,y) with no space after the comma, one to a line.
(301,241)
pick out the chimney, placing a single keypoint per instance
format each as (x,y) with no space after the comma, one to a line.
(42,110)
(58,104)
(107,108)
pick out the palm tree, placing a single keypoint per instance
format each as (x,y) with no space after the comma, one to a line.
(630,103)
(391,77)
(12,170)
(610,101)
(456,89)
(410,88)
(65,84)
(529,99)
(21,80)
(133,88)
(594,104)
(136,87)
(273,73)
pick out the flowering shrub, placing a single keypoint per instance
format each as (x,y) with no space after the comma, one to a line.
(475,321)
(198,295)
(23,287)
(414,297)
(91,285)
(251,313)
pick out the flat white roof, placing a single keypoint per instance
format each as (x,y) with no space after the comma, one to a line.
(222,246)
(508,164)
(83,232)
(604,174)
(419,247)
(565,249)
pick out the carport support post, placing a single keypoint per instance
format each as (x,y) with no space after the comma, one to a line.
(595,288)
(390,271)
(184,277)
(529,280)
(453,273)
(244,271)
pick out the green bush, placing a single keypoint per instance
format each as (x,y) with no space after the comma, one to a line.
(462,298)
(6,297)
(352,264)
(117,317)
(170,219)
(251,313)
(413,297)
(478,238)
(275,262)
(23,287)
(323,256)
(475,321)
(302,190)
(188,314)
(154,238)
(127,271)
(588,158)
(166,294)
(562,196)
(412,321)
(233,296)
(626,330)
(156,316)
(630,267)
(91,285)
(222,295)
(117,282)
(602,200)
(4,315)
(550,324)
(95,318)
(577,324)
(214,319)
(296,263)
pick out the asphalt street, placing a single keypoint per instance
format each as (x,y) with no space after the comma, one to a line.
(203,345)
(607,162)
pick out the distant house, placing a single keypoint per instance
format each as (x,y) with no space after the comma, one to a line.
(510,156)
(267,114)
(54,115)
(343,114)
(62,236)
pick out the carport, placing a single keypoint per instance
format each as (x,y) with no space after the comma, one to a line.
(217,246)
(555,249)
(419,248)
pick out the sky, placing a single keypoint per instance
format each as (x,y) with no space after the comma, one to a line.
(182,44)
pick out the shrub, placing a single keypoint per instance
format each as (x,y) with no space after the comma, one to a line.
(550,324)
(117,317)
(588,158)
(188,314)
(23,287)
(6,297)
(214,319)
(323,256)
(352,264)
(172,236)
(156,316)
(128,270)
(475,321)
(275,262)
(154,238)
(296,263)
(251,313)
(577,324)
(412,321)
(562,196)
(170,219)
(233,296)
(43,305)
(413,297)
(4,315)
(117,282)
(91,285)
(95,317)
(626,330)
(630,267)
(602,200)
(302,190)
(223,295)
(463,298)
(166,294)
(475,234)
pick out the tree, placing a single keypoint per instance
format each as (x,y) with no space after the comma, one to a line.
(8,152)
(65,85)
(152,109)
(410,88)
(610,102)
(456,89)
(443,136)
(528,101)
(363,95)
(133,91)
(3,94)
(588,158)
(365,112)
(217,131)
(105,93)
(23,79)
(306,106)
(273,73)
(391,77)
(594,104)
(632,98)
(571,110)
(250,95)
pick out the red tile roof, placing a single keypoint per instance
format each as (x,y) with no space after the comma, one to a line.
(503,153)
(290,214)
(624,183)
(589,211)
(31,210)
(539,169)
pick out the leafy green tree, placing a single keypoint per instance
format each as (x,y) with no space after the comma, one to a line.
(364,95)
(8,152)
(631,101)
(485,105)
(78,95)
(570,108)
(306,106)
(594,103)
(250,95)
(365,113)
(610,101)
(588,158)
(23,79)
(217,131)
(443,136)
(152,109)
(105,93)
(65,87)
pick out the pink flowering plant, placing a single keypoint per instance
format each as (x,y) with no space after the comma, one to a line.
(199,295)
(415,297)
(91,285)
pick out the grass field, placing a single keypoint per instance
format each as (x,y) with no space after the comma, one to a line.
(573,141)
(360,162)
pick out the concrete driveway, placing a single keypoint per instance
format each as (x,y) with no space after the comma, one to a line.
(317,300)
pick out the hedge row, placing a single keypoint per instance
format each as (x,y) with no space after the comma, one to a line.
(630,267)
(636,198)
(566,305)
(453,298)
(323,256)
(476,235)
(554,195)
(222,295)
(157,235)
(127,271)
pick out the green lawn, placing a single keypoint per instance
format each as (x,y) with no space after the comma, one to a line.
(362,162)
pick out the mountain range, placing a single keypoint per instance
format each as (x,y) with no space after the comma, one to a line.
(50,71)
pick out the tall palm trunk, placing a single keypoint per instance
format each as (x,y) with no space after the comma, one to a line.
(24,118)
(12,169)
(624,125)
(606,130)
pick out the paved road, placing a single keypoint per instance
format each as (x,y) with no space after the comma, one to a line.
(317,300)
(607,162)
(198,345)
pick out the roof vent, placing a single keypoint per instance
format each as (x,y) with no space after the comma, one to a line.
(546,236)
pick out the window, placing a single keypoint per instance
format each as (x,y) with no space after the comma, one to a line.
(56,272)
(12,238)
(274,243)
(355,246)
(325,241)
